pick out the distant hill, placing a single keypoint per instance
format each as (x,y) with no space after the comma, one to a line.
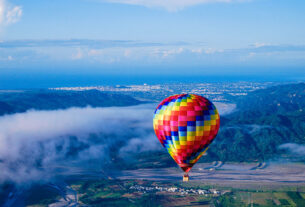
(264,120)
(280,99)
(14,102)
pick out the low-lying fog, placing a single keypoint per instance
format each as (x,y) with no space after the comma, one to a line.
(34,141)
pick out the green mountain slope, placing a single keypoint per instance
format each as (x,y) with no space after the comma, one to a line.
(265,119)
(280,99)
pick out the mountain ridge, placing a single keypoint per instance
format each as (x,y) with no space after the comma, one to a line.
(18,102)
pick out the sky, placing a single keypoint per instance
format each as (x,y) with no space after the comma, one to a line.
(64,38)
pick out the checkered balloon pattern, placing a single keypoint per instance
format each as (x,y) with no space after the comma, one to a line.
(185,125)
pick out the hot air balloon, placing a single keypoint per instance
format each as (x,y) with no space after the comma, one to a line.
(186,124)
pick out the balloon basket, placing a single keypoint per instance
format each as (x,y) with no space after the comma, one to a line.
(186,178)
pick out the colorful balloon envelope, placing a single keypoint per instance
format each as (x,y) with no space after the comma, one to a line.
(186,124)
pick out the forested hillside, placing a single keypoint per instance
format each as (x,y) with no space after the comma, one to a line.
(14,102)
(264,120)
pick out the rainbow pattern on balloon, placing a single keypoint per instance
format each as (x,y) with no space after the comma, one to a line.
(185,125)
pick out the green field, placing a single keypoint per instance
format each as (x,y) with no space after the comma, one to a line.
(103,192)
(262,199)
(117,192)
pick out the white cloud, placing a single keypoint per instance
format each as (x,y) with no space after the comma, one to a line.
(9,14)
(94,52)
(259,44)
(206,51)
(171,5)
(294,149)
(167,52)
(172,52)
(225,108)
(197,50)
(36,140)
(13,15)
(1,11)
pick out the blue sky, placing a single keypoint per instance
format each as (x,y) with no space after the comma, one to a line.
(152,36)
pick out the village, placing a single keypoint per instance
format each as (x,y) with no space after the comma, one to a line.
(182,191)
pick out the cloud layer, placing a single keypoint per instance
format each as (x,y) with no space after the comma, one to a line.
(89,43)
(97,53)
(34,144)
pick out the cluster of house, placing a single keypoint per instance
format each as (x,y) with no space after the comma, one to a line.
(147,189)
